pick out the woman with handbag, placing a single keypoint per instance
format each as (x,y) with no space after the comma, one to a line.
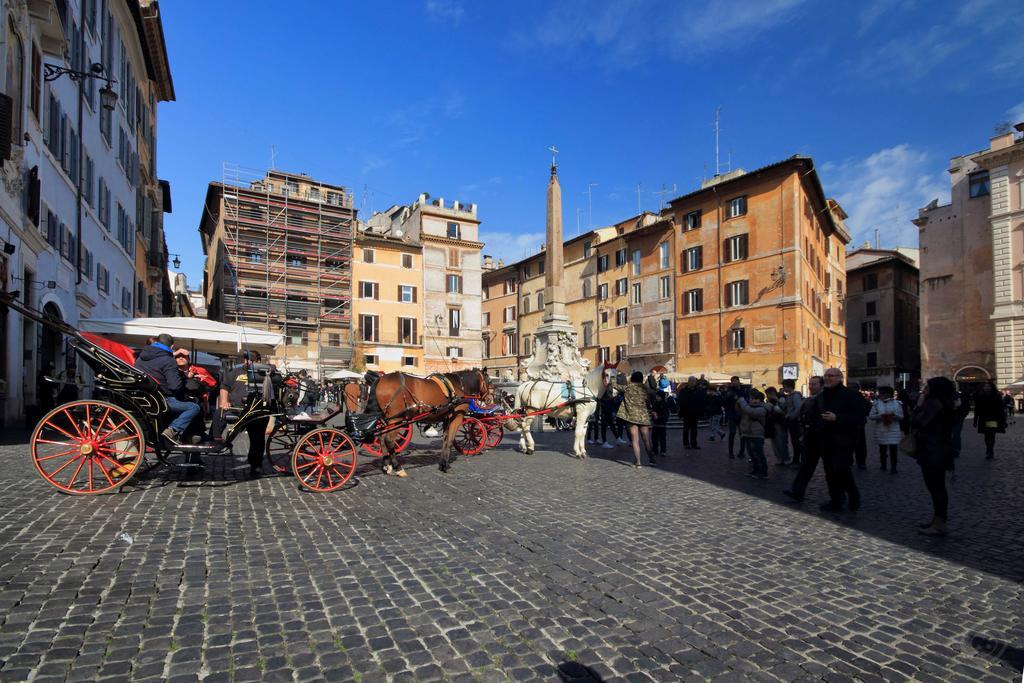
(931,443)
(989,416)
(636,413)
(886,414)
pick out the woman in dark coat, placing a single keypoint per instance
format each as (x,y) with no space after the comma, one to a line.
(989,416)
(636,413)
(932,426)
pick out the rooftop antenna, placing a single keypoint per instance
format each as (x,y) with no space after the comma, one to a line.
(590,205)
(876,238)
(662,193)
(728,162)
(718,129)
(579,210)
(638,190)
(273,157)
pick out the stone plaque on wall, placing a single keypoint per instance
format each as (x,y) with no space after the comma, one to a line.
(764,336)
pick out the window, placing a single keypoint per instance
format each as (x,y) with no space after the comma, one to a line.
(453,351)
(487,318)
(635,261)
(454,322)
(296,260)
(15,80)
(407,294)
(637,298)
(735,249)
(693,259)
(980,185)
(635,335)
(737,207)
(691,221)
(407,330)
(693,301)
(620,316)
(367,255)
(870,331)
(454,284)
(255,256)
(663,255)
(588,289)
(526,345)
(693,342)
(368,290)
(526,304)
(509,314)
(602,263)
(510,286)
(368,328)
(620,258)
(665,287)
(736,293)
(454,231)
(620,352)
(36,96)
(314,193)
(587,250)
(334,198)
(407,361)
(872,360)
(126,299)
(540,301)
(588,334)
(620,286)
(604,320)
(89,181)
(540,267)
(407,262)
(509,344)
(602,355)
(737,339)
(870,308)
(371,359)
(527,272)
(602,291)
(333,340)
(666,336)
(870,281)
(454,258)
(102,278)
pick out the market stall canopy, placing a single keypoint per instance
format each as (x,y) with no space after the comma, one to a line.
(1019,384)
(204,335)
(343,374)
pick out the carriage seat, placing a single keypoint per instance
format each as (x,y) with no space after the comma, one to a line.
(483,409)
(361,426)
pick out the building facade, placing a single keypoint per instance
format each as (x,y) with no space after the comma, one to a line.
(957,292)
(651,312)
(882,317)
(79,196)
(761,270)
(388,302)
(499,318)
(1002,167)
(279,257)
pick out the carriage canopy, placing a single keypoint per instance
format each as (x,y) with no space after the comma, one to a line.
(205,335)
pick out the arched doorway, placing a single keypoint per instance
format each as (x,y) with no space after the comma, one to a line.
(51,342)
(970,378)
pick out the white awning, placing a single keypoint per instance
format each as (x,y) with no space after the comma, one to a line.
(343,374)
(199,333)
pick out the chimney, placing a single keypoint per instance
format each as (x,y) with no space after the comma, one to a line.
(501,263)
(456,205)
(488,262)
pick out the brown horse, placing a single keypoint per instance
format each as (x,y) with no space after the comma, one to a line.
(439,398)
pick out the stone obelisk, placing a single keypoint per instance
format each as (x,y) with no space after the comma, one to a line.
(556,355)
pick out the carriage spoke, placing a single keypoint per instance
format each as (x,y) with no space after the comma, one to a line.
(53,425)
(330,481)
(59,443)
(90,470)
(308,464)
(110,433)
(62,454)
(75,475)
(103,421)
(73,423)
(105,473)
(319,476)
(59,469)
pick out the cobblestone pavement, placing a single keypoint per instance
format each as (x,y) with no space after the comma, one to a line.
(514,567)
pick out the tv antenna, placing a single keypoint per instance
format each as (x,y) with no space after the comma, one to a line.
(718,130)
(638,191)
(590,205)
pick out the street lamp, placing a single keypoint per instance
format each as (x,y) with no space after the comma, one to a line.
(176,262)
(108,98)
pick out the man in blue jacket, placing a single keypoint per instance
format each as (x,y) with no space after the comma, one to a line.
(157,361)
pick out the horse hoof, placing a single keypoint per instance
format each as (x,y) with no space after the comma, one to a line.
(387,469)
(401,473)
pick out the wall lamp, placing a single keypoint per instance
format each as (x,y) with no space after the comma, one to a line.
(108,97)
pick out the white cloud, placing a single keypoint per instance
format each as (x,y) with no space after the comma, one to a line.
(511,246)
(372,162)
(445,10)
(1015,114)
(884,191)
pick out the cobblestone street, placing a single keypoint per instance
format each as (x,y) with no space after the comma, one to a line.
(514,567)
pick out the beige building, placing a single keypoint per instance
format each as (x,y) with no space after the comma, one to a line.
(449,235)
(956,279)
(387,303)
(500,326)
(651,246)
(1002,166)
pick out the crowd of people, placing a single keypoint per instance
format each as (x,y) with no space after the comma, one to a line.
(833,425)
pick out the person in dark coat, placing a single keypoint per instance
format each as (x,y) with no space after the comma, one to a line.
(157,362)
(932,426)
(692,400)
(860,448)
(989,416)
(810,446)
(659,423)
(734,392)
(837,416)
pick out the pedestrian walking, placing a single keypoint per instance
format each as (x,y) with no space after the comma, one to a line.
(794,400)
(886,414)
(608,405)
(733,393)
(753,417)
(989,416)
(932,427)
(838,417)
(775,426)
(1008,406)
(714,408)
(810,442)
(860,445)
(692,399)
(660,410)
(635,412)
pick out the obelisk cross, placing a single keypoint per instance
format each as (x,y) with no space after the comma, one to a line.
(554,151)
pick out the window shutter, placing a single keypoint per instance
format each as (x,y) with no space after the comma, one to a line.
(726,251)
(399,299)
(414,294)
(376,291)
(700,257)
(686,302)
(415,333)
(728,295)
(6,125)
(743,246)
(32,210)
(745,289)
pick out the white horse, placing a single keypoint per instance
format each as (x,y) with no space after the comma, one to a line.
(535,395)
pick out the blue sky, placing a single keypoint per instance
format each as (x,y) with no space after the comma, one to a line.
(462,99)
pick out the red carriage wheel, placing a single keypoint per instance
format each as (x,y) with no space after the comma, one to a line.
(280,444)
(471,436)
(495,433)
(404,436)
(87,447)
(324,459)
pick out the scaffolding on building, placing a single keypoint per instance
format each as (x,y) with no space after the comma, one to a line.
(287,263)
